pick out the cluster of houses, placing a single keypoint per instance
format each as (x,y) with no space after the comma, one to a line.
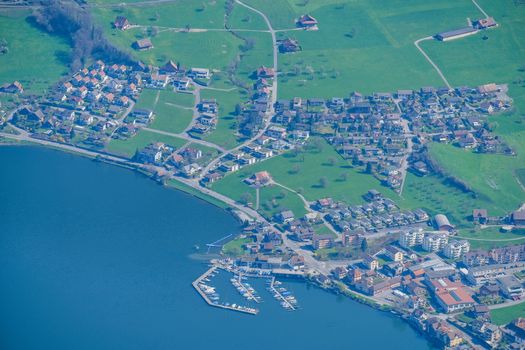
(365,129)
(86,108)
(370,130)
(187,161)
(208,114)
(421,286)
(515,218)
(263,148)
(97,102)
(378,213)
(458,116)
(264,250)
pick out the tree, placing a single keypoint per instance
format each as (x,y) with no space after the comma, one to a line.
(238,109)
(323,182)
(282,194)
(364,245)
(344,176)
(295,169)
(246,198)
(332,161)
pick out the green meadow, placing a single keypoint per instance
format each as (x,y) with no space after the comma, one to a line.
(143,138)
(507,314)
(173,111)
(224,134)
(491,237)
(316,173)
(36,59)
(179,14)
(361,45)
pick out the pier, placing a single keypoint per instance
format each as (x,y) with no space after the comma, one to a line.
(286,303)
(233,307)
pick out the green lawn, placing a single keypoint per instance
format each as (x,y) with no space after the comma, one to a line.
(172,111)
(303,173)
(433,195)
(359,41)
(520,175)
(243,18)
(235,247)
(274,199)
(490,176)
(224,134)
(489,235)
(147,99)
(142,139)
(197,14)
(507,314)
(36,59)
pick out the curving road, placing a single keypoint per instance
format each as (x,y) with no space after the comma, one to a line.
(442,76)
(271,110)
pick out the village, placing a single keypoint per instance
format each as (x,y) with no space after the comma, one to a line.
(403,261)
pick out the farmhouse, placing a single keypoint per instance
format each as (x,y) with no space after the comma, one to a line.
(307,22)
(13,88)
(480,216)
(485,23)
(264,72)
(456,34)
(289,45)
(121,23)
(170,67)
(518,217)
(143,44)
(259,179)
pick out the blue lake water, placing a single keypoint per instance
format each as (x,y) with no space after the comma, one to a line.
(93,256)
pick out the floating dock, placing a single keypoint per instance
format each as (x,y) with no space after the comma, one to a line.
(233,307)
(287,304)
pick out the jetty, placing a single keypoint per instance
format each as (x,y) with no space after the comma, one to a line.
(233,307)
(285,301)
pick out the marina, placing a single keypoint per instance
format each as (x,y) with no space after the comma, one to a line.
(212,298)
(239,281)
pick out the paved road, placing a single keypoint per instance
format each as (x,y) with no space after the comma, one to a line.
(188,138)
(438,70)
(410,145)
(271,110)
(480,9)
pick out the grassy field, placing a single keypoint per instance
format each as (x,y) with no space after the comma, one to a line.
(243,18)
(359,41)
(303,173)
(503,52)
(491,237)
(172,111)
(143,138)
(224,135)
(35,58)
(507,314)
(235,247)
(274,199)
(196,14)
(433,195)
